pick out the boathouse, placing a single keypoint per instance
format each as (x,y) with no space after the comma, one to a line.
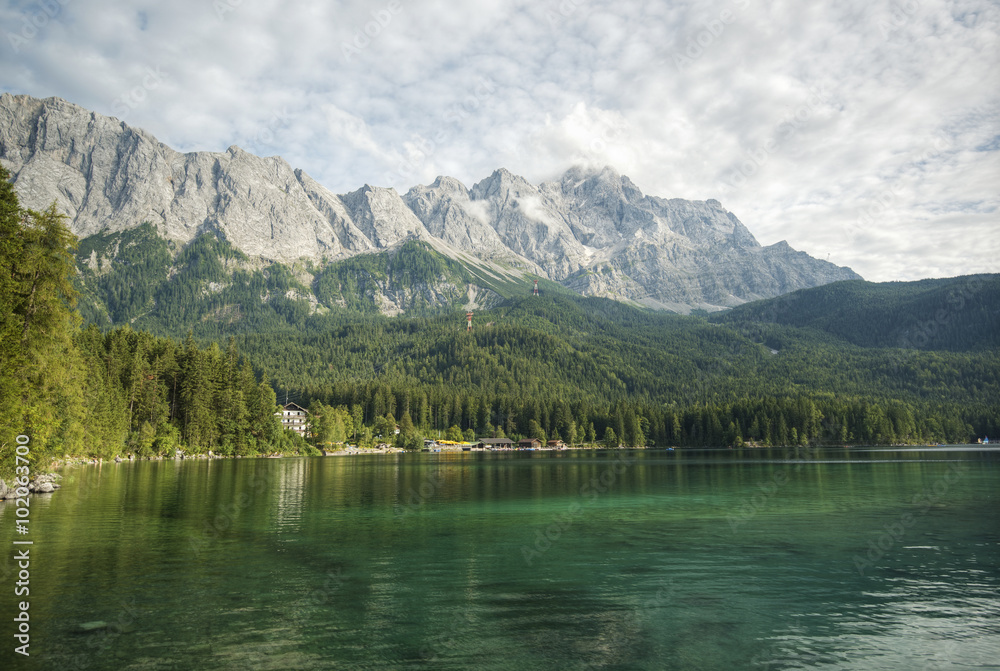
(495,443)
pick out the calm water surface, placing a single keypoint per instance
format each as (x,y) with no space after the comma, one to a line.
(697,559)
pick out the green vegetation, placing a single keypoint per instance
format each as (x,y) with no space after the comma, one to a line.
(210,287)
(40,376)
(848,362)
(571,369)
(213,290)
(147,395)
(83,392)
(119,292)
(947,314)
(356,283)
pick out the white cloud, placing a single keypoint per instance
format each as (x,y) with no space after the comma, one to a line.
(890,169)
(531,207)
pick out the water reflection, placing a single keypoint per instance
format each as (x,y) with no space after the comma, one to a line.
(699,559)
(290,493)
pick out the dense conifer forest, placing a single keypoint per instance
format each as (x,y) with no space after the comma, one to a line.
(81,391)
(102,359)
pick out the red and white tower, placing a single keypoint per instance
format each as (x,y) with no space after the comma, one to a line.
(535,291)
(468,316)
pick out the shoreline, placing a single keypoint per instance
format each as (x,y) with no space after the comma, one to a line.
(47,482)
(57,464)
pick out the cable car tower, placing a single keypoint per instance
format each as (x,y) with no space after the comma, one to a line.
(534,292)
(468,316)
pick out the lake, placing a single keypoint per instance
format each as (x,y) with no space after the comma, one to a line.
(862,558)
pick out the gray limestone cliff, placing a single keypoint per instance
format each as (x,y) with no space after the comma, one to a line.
(593,231)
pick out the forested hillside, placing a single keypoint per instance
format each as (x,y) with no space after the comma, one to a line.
(839,364)
(66,390)
(955,314)
(137,278)
(558,366)
(602,349)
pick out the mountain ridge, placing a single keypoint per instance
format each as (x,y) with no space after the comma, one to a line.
(956,314)
(593,231)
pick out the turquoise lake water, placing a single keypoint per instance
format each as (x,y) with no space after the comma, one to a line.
(694,559)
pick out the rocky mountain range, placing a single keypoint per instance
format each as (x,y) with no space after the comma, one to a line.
(594,232)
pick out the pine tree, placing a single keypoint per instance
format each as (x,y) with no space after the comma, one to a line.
(41,374)
(407,431)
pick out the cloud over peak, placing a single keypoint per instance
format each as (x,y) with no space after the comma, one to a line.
(866,132)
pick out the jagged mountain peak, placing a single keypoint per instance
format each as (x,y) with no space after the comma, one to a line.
(591,228)
(446,184)
(9,101)
(605,186)
(586,180)
(502,183)
(382,216)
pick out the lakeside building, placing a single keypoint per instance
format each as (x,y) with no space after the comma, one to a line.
(529,443)
(293,417)
(494,443)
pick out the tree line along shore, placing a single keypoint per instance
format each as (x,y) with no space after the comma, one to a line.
(81,392)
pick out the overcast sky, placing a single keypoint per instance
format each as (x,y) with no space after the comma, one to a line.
(863,132)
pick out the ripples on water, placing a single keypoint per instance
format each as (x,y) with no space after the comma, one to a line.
(861,559)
